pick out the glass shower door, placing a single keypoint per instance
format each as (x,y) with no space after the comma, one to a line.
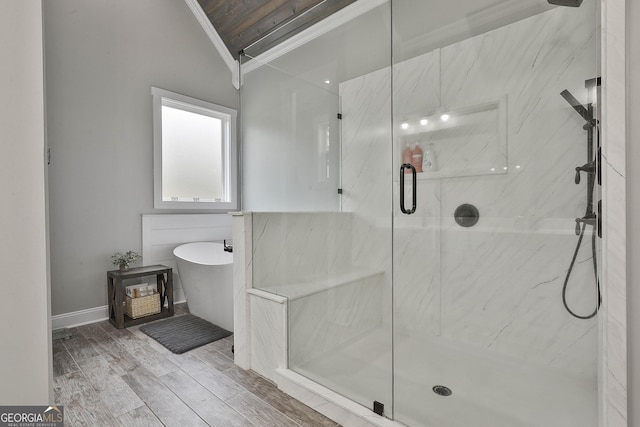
(486,148)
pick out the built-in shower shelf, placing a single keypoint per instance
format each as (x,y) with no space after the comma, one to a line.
(471,141)
(457,173)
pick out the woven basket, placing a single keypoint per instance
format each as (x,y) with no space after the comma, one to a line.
(143,306)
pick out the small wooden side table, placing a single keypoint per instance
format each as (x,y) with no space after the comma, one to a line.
(116,293)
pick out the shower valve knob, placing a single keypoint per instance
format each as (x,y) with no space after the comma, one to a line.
(588,168)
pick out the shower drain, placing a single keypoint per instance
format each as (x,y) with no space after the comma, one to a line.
(442,390)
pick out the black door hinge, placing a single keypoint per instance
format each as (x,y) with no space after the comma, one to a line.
(378,407)
(600,219)
(48,156)
(339,116)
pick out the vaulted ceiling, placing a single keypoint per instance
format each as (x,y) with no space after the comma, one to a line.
(241,23)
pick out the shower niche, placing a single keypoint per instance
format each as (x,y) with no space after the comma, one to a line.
(464,141)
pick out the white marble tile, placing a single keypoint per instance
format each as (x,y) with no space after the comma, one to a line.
(416,76)
(522,274)
(299,247)
(486,286)
(544,134)
(417,274)
(328,320)
(614,367)
(268,335)
(367,172)
(502,291)
(242,280)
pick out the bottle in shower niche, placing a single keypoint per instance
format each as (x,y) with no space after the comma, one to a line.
(416,157)
(406,156)
(429,159)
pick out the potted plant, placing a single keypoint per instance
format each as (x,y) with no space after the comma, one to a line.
(122,260)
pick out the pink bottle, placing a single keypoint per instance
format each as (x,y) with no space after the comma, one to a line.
(407,156)
(416,158)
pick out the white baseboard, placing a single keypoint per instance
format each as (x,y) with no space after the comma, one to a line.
(90,315)
(178,296)
(81,317)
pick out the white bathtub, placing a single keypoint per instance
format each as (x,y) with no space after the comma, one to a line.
(206,273)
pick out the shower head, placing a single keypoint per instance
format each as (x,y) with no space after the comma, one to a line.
(584,113)
(569,3)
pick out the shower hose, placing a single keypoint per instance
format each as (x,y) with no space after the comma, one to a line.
(595,270)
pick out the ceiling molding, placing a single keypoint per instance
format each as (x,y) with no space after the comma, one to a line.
(213,35)
(331,22)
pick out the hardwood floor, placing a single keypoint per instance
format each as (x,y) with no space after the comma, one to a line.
(121,377)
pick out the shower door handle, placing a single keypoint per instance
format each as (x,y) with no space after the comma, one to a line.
(414,179)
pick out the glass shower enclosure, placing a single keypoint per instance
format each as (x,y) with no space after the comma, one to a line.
(428,172)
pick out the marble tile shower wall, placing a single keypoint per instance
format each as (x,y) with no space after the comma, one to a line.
(299,248)
(308,258)
(324,322)
(366,172)
(495,287)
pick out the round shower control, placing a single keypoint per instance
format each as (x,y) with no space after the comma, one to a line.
(466,215)
(442,390)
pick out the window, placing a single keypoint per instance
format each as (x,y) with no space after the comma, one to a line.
(195,156)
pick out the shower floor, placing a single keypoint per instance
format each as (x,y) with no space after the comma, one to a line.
(486,391)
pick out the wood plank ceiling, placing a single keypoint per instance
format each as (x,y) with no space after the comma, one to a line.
(241,23)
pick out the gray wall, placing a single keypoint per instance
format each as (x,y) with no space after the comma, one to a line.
(633,207)
(25,358)
(101,60)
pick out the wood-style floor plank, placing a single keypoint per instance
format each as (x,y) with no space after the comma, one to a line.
(119,369)
(163,402)
(211,409)
(259,412)
(63,363)
(146,356)
(82,405)
(140,417)
(120,360)
(213,357)
(103,338)
(223,346)
(284,403)
(113,391)
(218,384)
(79,348)
(94,331)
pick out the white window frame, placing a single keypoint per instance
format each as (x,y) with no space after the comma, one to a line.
(162,97)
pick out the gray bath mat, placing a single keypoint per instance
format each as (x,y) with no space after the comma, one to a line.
(184,333)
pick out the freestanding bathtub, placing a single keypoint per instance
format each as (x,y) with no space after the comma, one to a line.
(206,273)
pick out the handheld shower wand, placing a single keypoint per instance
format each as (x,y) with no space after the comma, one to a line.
(589,218)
